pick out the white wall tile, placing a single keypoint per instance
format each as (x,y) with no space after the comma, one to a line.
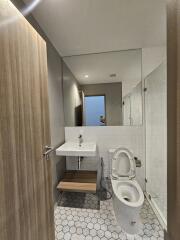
(106,138)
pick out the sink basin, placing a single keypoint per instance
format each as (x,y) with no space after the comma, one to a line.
(87,149)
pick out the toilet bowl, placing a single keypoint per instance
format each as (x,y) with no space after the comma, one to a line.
(128,196)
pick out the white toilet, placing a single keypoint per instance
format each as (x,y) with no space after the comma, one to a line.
(128,196)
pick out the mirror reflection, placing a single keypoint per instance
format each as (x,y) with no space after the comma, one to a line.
(103,89)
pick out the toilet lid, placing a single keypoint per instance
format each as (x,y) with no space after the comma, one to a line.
(123,163)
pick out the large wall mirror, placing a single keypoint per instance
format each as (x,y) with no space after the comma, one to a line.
(103,89)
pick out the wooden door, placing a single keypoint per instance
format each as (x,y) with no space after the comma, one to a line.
(173,108)
(26,206)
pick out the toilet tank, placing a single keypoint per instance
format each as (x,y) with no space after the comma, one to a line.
(111,152)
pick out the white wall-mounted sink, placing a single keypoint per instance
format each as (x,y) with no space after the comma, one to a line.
(87,149)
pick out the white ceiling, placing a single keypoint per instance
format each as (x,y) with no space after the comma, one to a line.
(125,64)
(89,26)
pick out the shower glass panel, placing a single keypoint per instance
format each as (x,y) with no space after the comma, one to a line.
(156,138)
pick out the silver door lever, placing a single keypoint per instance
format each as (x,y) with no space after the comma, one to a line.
(48,150)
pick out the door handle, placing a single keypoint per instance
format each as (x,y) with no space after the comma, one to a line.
(47,151)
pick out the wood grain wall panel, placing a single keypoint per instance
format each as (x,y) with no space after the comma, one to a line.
(173,91)
(26,205)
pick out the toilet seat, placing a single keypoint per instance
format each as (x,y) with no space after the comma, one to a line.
(123,164)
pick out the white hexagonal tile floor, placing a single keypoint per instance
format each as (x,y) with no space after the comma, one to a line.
(89,224)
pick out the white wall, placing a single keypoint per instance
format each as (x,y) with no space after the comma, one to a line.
(111,137)
(152,57)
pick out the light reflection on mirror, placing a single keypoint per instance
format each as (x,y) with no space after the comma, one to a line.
(103,89)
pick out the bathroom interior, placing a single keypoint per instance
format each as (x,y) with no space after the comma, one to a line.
(83,125)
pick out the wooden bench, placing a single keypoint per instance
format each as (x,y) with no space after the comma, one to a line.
(79,181)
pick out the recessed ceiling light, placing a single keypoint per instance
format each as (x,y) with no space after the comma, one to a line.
(86,76)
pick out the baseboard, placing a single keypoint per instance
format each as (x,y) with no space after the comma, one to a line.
(158,213)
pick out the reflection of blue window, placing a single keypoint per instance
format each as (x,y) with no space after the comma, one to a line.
(95,110)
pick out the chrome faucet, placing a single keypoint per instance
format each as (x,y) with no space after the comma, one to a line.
(80,140)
